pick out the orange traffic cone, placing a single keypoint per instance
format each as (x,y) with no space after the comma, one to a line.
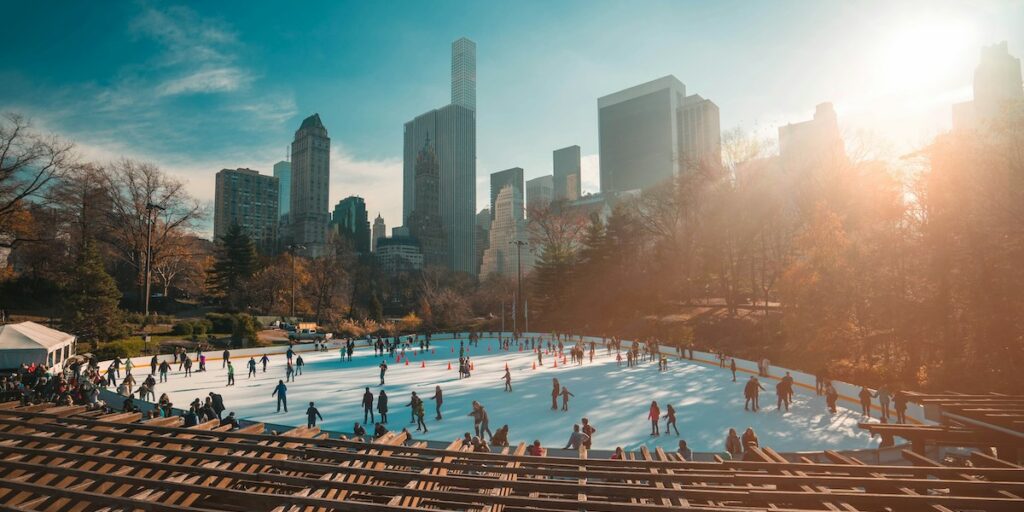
(471,367)
(535,365)
(407,362)
(449,365)
(423,364)
(556,364)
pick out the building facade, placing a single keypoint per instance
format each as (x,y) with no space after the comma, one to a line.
(567,173)
(812,143)
(283,173)
(425,221)
(700,133)
(378,231)
(507,226)
(398,254)
(637,135)
(311,172)
(351,222)
(464,73)
(509,177)
(249,199)
(997,86)
(540,192)
(483,230)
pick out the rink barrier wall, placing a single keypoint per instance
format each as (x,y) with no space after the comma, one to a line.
(847,392)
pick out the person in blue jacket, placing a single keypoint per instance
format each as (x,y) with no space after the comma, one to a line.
(281,392)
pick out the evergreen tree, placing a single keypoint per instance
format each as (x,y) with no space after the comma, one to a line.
(91,299)
(235,264)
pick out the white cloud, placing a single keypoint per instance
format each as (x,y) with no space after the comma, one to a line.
(378,182)
(590,168)
(204,81)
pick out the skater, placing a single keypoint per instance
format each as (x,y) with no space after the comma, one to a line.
(788,379)
(865,401)
(368,406)
(152,366)
(252,367)
(508,380)
(311,415)
(382,406)
(555,391)
(670,420)
(831,397)
(299,363)
(900,403)
(383,368)
(576,439)
(264,360)
(782,395)
(164,368)
(289,373)
(883,401)
(654,415)
(281,392)
(188,365)
(202,362)
(418,411)
(128,365)
(413,399)
(733,444)
(565,398)
(751,392)
(481,420)
(225,358)
(732,367)
(589,430)
(290,354)
(438,399)
(231,374)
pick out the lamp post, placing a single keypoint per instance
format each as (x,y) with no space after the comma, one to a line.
(519,284)
(149,250)
(291,249)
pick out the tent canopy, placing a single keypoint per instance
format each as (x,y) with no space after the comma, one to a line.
(29,342)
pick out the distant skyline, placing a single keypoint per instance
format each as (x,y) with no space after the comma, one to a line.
(204,87)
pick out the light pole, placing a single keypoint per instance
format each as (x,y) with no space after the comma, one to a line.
(149,250)
(291,249)
(519,283)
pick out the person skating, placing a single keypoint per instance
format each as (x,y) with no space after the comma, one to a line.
(589,430)
(188,366)
(164,368)
(438,399)
(654,415)
(733,445)
(782,395)
(383,369)
(128,365)
(231,374)
(299,363)
(900,403)
(289,373)
(508,380)
(831,397)
(152,365)
(865,401)
(252,367)
(670,420)
(368,406)
(751,392)
(281,392)
(225,358)
(264,360)
(413,399)
(556,390)
(788,379)
(732,367)
(883,401)
(418,411)
(311,415)
(382,406)
(565,398)
(290,353)
(576,439)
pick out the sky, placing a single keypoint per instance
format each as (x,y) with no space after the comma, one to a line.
(198,87)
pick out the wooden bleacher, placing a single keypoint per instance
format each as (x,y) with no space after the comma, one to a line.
(71,459)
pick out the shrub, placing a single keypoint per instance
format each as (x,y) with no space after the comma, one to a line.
(199,328)
(128,347)
(410,323)
(220,323)
(134,318)
(183,328)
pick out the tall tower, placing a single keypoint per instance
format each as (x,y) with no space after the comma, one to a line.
(425,221)
(464,73)
(311,172)
(379,231)
(567,171)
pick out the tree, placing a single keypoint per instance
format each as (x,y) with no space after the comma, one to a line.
(235,264)
(29,161)
(91,299)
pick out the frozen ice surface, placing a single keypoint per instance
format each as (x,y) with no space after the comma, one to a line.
(615,399)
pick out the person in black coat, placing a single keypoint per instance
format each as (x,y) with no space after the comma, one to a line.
(382,406)
(368,406)
(218,404)
(438,399)
(311,415)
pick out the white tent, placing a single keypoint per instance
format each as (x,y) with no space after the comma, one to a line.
(29,342)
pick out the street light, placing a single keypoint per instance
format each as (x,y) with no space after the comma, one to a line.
(519,284)
(149,249)
(291,249)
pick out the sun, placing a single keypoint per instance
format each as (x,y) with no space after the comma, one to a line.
(921,55)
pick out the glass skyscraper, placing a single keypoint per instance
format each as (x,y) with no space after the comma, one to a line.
(464,73)
(567,173)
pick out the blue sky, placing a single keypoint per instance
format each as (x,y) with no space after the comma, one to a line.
(196,87)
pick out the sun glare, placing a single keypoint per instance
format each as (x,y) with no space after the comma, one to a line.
(919,55)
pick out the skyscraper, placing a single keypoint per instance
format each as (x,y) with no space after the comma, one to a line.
(452,130)
(499,180)
(997,85)
(464,73)
(352,222)
(508,225)
(425,221)
(249,199)
(700,133)
(812,143)
(379,231)
(567,171)
(637,135)
(482,238)
(539,193)
(311,172)
(283,173)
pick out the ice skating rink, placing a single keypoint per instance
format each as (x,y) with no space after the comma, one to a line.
(615,399)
